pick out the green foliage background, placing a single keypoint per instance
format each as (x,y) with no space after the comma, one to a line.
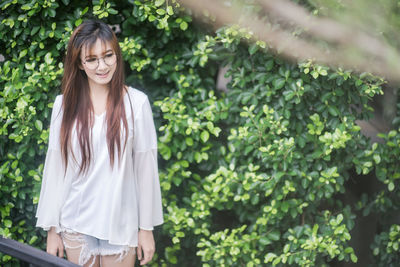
(253,176)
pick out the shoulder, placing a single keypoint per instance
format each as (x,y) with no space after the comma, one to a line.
(140,103)
(137,97)
(57,107)
(58,101)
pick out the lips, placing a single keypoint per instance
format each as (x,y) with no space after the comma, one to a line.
(102,75)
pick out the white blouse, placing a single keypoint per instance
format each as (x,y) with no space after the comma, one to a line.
(107,203)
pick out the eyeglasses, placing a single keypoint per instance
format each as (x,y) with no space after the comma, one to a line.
(93,63)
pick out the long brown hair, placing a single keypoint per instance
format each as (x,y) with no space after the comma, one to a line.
(77,105)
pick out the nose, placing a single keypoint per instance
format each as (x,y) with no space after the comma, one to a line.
(102,64)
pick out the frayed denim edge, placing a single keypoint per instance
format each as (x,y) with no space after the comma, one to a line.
(86,253)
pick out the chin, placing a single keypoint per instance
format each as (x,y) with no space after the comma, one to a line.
(103,82)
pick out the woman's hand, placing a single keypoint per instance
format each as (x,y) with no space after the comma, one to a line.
(54,243)
(146,246)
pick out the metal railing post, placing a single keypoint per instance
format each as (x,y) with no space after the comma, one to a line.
(30,255)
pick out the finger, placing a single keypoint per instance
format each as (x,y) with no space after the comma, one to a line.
(144,261)
(139,252)
(148,255)
(52,252)
(61,252)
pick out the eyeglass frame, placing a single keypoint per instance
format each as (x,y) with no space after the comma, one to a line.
(98,61)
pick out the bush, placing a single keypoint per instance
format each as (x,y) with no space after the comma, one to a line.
(252,176)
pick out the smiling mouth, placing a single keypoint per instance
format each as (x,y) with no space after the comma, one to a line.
(102,75)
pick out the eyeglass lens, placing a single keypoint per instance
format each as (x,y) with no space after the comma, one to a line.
(93,63)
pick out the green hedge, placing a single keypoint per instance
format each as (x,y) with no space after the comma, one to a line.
(250,177)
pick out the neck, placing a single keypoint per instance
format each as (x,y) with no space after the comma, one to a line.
(97,90)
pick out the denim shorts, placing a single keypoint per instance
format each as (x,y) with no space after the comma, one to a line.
(91,246)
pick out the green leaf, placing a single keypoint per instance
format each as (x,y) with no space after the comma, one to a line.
(204,136)
(112,11)
(34,30)
(165,151)
(189,141)
(377,158)
(170,11)
(33,239)
(52,12)
(160,11)
(333,110)
(7,223)
(198,157)
(269,257)
(276,261)
(183,25)
(23,53)
(269,65)
(48,59)
(339,218)
(278,83)
(152,18)
(253,49)
(274,235)
(26,7)
(315,229)
(391,186)
(349,250)
(353,258)
(78,22)
(285,206)
(255,199)
(159,2)
(39,125)
(85,11)
(264,240)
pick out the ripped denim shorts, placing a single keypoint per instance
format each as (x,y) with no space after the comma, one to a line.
(91,246)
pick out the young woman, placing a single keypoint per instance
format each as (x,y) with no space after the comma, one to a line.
(100,195)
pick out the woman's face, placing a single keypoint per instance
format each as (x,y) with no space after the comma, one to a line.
(99,63)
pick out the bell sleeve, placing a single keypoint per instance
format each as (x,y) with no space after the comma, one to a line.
(146,169)
(48,209)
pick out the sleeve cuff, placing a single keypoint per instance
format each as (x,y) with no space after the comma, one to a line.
(146,228)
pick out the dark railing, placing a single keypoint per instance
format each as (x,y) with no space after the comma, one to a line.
(30,256)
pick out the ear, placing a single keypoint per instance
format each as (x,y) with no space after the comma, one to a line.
(80,65)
